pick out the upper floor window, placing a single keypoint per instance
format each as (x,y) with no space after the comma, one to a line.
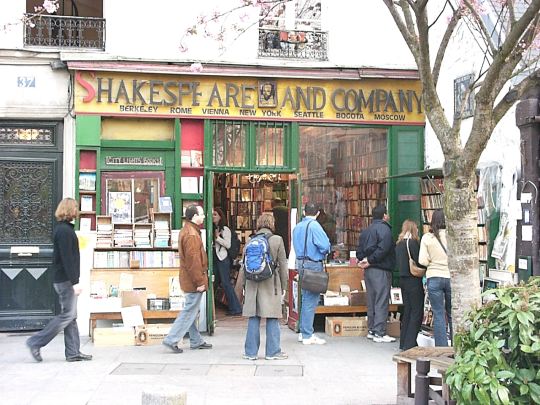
(74,24)
(292,30)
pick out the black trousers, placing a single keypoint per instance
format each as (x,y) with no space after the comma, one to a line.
(412,291)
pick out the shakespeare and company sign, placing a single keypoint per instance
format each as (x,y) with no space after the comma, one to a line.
(387,101)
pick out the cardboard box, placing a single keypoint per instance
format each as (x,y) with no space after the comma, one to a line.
(357,298)
(151,334)
(346,326)
(114,336)
(393,328)
(134,297)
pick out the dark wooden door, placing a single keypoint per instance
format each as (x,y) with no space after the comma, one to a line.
(30,188)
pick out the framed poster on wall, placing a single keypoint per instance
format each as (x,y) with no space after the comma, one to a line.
(120,207)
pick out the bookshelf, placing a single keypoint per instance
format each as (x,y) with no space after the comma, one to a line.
(345,173)
(104,231)
(191,158)
(135,258)
(87,189)
(432,189)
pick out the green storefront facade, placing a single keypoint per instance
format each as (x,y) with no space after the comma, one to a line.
(316,135)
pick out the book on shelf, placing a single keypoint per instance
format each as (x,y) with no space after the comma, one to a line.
(87,203)
(165,204)
(87,181)
(189,185)
(85,224)
(196,158)
(185,158)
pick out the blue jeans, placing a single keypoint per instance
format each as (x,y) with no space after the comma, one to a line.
(440,298)
(66,320)
(187,322)
(223,268)
(253,337)
(310,300)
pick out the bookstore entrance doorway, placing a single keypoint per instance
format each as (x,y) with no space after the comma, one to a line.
(242,198)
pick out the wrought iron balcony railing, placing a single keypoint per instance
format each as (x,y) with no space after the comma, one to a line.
(64,32)
(294,44)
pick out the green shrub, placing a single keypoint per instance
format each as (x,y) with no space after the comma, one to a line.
(498,359)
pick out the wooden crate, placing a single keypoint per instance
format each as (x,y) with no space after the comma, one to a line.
(114,336)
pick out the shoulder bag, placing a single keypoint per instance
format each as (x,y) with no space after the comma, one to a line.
(311,280)
(415,270)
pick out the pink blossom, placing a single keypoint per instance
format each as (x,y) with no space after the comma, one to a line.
(196,67)
(51,6)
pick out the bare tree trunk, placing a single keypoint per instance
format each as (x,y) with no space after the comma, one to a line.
(461,213)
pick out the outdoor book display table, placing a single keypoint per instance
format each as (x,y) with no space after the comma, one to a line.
(338,275)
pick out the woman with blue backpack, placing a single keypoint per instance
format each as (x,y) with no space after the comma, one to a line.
(266,274)
(222,261)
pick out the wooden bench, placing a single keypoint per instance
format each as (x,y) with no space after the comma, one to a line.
(440,359)
(115,316)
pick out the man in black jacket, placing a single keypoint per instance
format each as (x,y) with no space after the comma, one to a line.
(376,255)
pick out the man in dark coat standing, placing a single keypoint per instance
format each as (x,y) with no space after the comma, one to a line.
(376,255)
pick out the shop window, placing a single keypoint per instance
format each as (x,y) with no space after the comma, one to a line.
(269,141)
(229,144)
(130,197)
(343,170)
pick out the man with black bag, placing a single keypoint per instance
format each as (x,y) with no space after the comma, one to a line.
(376,255)
(311,245)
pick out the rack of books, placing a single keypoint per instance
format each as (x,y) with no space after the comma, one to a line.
(345,174)
(87,189)
(104,231)
(135,258)
(142,235)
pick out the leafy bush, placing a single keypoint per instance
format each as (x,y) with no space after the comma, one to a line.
(498,359)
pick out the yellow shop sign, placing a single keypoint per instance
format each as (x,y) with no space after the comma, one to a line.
(388,101)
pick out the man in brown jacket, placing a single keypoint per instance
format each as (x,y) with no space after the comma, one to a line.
(193,281)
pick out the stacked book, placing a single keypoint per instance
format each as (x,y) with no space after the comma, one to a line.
(141,236)
(123,237)
(163,233)
(104,235)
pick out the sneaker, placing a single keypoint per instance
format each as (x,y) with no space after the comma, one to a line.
(300,337)
(383,339)
(370,335)
(277,356)
(314,340)
(203,345)
(174,348)
(35,352)
(245,356)
(79,357)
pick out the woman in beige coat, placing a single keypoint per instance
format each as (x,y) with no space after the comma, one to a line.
(263,298)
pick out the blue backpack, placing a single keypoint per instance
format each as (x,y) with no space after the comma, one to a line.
(258,264)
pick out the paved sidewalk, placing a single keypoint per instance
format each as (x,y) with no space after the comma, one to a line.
(345,371)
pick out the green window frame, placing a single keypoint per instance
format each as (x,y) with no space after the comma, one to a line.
(249,146)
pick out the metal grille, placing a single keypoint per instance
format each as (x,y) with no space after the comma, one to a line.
(26,136)
(269,144)
(229,144)
(64,32)
(26,202)
(311,45)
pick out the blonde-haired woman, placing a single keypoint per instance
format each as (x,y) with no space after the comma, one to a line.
(263,298)
(412,289)
(66,261)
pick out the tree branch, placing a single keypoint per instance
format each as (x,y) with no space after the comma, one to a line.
(481,26)
(444,44)
(507,48)
(410,37)
(514,94)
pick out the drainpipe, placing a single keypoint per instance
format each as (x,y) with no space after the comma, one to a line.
(528,122)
